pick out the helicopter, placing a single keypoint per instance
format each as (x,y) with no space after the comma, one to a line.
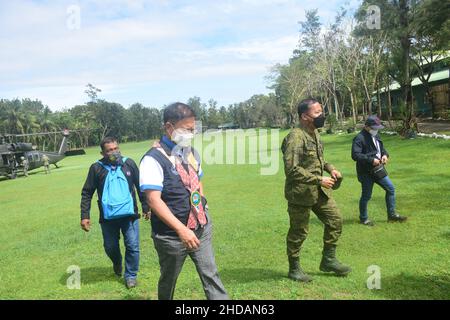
(12,154)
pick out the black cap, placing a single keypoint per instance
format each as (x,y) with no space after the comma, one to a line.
(374,122)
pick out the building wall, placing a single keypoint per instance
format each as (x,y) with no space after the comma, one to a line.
(441,96)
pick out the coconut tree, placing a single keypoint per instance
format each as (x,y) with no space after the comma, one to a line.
(14,118)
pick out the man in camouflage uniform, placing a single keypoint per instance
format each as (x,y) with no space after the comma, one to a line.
(46,163)
(25,166)
(307,189)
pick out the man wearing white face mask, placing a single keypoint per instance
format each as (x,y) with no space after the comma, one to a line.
(182,137)
(181,226)
(370,155)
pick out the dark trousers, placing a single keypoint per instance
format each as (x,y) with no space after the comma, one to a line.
(172,254)
(367,182)
(111,236)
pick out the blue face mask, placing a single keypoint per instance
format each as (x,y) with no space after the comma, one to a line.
(373,132)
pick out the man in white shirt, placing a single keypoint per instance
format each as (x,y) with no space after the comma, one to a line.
(170,177)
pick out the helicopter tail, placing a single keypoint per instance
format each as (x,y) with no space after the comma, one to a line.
(64,146)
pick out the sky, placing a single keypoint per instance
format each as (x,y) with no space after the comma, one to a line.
(153,52)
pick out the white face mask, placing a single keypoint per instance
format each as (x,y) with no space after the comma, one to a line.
(373,132)
(182,137)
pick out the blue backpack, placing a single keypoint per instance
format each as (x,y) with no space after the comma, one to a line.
(117,201)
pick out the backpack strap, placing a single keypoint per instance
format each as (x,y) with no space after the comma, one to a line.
(104,166)
(109,167)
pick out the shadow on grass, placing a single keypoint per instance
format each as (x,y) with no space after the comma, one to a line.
(30,173)
(246,275)
(318,274)
(446,235)
(444,145)
(406,287)
(93,275)
(351,221)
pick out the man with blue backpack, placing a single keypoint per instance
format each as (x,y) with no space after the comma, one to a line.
(116,180)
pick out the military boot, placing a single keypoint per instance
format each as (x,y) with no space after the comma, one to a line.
(296,272)
(329,262)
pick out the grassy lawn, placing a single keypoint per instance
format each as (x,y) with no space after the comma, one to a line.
(41,237)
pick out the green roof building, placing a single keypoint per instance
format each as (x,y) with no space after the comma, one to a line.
(440,93)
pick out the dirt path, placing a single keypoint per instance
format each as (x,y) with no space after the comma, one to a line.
(434,126)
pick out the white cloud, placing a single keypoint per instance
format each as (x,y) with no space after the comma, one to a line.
(271,50)
(123,45)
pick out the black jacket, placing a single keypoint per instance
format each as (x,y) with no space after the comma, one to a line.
(95,181)
(364,151)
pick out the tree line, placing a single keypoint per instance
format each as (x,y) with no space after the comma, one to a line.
(91,122)
(348,63)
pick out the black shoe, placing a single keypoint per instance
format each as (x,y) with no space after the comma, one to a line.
(296,273)
(397,218)
(131,283)
(367,222)
(117,269)
(329,262)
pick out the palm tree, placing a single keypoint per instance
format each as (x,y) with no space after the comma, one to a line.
(46,120)
(14,118)
(46,123)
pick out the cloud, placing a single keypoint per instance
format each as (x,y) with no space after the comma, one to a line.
(271,50)
(123,45)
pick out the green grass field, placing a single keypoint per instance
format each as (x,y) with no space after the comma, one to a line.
(41,236)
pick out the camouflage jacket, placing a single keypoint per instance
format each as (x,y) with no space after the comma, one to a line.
(304,166)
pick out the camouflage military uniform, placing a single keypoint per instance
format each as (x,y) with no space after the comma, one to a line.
(304,167)
(25,167)
(46,163)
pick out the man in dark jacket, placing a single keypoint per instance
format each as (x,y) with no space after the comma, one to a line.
(368,151)
(111,228)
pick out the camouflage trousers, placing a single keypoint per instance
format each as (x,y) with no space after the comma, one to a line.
(327,212)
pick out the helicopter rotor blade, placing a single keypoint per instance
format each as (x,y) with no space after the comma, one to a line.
(46,133)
